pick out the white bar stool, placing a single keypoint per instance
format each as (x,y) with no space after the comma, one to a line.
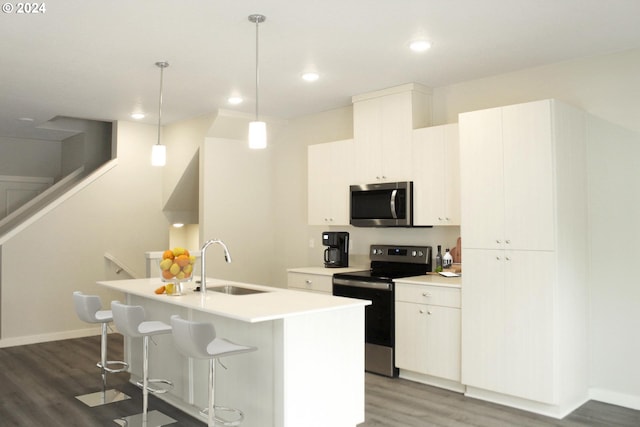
(198,340)
(89,309)
(129,319)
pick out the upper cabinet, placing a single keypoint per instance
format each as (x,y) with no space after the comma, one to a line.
(436,175)
(383,124)
(508,162)
(330,172)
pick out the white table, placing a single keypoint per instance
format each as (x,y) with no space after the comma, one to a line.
(309,367)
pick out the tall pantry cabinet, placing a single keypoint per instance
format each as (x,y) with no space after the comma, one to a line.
(524,235)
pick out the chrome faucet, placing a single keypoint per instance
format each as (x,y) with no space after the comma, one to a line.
(203,252)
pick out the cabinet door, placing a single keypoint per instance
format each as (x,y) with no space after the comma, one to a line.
(429,174)
(428,339)
(342,155)
(411,337)
(436,175)
(507,323)
(396,131)
(382,134)
(443,338)
(483,319)
(481,179)
(367,116)
(529,318)
(330,173)
(319,184)
(528,176)
(452,174)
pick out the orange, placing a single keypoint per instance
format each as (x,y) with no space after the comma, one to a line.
(160,290)
(167,274)
(182,260)
(167,254)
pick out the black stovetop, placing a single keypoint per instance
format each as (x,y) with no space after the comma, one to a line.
(386,271)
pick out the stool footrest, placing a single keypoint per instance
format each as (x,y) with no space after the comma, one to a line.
(123,368)
(237,415)
(154,390)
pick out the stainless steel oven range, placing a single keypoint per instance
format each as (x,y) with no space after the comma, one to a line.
(388,262)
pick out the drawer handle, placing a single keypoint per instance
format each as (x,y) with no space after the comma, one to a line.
(426,294)
(308,282)
(422,312)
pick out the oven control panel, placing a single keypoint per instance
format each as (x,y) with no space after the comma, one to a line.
(410,254)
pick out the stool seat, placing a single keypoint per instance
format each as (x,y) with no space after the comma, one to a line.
(198,340)
(89,309)
(153,327)
(130,321)
(104,316)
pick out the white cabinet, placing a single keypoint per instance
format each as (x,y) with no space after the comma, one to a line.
(383,123)
(428,330)
(330,167)
(508,328)
(508,168)
(523,229)
(310,282)
(436,175)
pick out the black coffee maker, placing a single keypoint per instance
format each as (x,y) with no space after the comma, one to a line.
(337,253)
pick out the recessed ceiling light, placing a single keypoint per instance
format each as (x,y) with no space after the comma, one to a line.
(178,224)
(26,119)
(419,45)
(234,100)
(137,116)
(310,77)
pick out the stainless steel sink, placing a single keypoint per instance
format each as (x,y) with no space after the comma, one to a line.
(234,290)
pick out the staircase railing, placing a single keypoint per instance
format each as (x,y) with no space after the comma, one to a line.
(121,266)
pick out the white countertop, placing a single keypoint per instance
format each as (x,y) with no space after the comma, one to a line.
(277,303)
(433,279)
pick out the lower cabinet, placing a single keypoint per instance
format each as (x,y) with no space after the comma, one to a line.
(310,282)
(428,330)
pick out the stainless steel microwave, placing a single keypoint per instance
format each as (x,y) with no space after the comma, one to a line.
(387,204)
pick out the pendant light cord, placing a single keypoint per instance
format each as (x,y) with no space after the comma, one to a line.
(257,66)
(162,66)
(257,19)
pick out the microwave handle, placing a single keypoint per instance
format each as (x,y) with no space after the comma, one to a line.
(392,204)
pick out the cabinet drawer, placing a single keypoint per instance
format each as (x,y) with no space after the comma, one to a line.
(425,294)
(310,282)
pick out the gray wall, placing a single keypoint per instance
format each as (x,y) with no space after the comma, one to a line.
(28,157)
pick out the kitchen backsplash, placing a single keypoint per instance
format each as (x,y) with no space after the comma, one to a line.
(362,238)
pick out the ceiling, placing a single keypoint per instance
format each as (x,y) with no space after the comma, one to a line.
(95,59)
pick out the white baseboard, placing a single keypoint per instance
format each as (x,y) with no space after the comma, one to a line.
(55,336)
(554,411)
(615,398)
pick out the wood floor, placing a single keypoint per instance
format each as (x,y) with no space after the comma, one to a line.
(38,384)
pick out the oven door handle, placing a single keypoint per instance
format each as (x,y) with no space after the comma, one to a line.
(392,204)
(362,284)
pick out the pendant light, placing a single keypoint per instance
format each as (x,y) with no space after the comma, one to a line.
(159,151)
(257,129)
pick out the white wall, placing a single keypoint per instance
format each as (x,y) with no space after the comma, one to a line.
(614,214)
(64,250)
(236,206)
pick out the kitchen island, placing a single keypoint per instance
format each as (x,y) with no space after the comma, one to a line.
(309,367)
